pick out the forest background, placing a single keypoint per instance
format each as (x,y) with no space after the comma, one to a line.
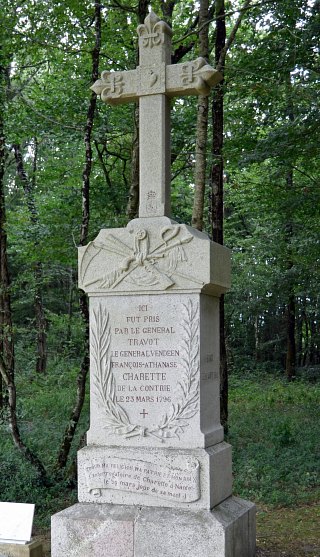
(245,169)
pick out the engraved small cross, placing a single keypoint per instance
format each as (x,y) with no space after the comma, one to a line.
(143,413)
(153,83)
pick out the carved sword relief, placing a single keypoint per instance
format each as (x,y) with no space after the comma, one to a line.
(140,265)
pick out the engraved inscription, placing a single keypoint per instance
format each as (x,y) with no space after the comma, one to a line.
(151,202)
(208,373)
(189,70)
(146,387)
(195,73)
(149,478)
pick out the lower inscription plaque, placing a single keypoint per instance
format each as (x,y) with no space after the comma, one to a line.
(178,484)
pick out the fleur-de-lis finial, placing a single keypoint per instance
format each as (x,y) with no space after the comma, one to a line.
(151,20)
(152,30)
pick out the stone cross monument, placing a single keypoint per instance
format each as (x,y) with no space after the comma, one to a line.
(155,477)
(153,83)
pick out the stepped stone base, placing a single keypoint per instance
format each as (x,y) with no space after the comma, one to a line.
(32,549)
(96,530)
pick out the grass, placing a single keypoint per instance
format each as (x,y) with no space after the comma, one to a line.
(289,531)
(274,431)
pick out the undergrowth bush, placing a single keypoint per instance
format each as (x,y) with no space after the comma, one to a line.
(44,403)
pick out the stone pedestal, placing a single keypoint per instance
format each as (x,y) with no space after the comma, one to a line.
(129,531)
(31,549)
(155,478)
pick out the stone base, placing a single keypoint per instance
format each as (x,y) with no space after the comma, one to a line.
(32,549)
(127,531)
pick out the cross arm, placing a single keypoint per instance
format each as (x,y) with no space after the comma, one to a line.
(191,78)
(117,87)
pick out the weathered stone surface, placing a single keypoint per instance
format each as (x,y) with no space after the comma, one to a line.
(93,530)
(126,531)
(32,549)
(221,532)
(193,479)
(153,82)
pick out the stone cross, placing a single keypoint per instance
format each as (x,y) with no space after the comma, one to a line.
(153,83)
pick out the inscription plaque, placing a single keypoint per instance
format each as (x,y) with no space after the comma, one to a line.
(144,477)
(146,367)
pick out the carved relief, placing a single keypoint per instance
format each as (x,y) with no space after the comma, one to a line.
(195,73)
(173,423)
(151,33)
(152,79)
(151,203)
(141,265)
(113,84)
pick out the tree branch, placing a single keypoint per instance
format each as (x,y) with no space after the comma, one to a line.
(243,9)
(48,118)
(222,58)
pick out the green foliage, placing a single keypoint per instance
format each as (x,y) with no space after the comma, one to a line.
(19,483)
(274,430)
(44,405)
(272,192)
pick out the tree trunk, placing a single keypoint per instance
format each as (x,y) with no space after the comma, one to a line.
(6,330)
(216,176)
(304,342)
(257,338)
(314,346)
(84,233)
(41,322)
(133,201)
(299,344)
(167,7)
(216,183)
(70,306)
(291,343)
(289,234)
(202,125)
(29,189)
